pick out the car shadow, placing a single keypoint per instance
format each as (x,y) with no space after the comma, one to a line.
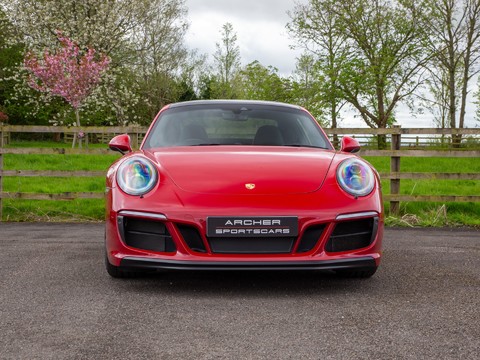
(248,283)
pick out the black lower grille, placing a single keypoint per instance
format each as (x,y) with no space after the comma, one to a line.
(352,235)
(251,245)
(192,237)
(310,238)
(145,234)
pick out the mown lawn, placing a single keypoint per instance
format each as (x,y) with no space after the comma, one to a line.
(412,213)
(44,210)
(428,213)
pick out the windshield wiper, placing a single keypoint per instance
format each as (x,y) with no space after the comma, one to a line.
(207,144)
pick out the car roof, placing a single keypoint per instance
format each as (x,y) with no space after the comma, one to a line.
(234,102)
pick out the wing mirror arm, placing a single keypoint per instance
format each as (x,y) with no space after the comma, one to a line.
(114,148)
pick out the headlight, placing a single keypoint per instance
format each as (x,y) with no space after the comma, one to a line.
(136,176)
(355,177)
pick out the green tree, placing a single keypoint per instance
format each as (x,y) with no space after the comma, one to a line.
(227,64)
(477,102)
(18,105)
(316,27)
(380,56)
(306,89)
(438,101)
(161,55)
(453,28)
(208,82)
(10,57)
(263,83)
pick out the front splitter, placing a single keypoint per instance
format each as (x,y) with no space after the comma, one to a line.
(138,263)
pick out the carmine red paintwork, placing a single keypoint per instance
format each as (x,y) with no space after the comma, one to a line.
(121,142)
(196,182)
(350,145)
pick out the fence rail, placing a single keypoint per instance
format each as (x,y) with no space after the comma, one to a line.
(395,153)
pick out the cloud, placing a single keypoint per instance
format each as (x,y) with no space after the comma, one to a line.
(259,25)
(246,10)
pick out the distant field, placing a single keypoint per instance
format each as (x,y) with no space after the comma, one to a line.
(434,214)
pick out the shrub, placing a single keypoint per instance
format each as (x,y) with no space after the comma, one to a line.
(3,117)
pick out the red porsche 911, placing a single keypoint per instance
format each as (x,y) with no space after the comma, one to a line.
(241,185)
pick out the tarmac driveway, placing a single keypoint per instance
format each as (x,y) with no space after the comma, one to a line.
(57,302)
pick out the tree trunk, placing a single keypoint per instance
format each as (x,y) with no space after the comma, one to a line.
(334,124)
(77,118)
(382,141)
(382,124)
(452,108)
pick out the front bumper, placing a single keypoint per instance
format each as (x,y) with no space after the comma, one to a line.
(140,240)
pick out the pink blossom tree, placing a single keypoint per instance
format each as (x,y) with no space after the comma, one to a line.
(67,72)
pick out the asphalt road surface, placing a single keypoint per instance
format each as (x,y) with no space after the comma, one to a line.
(57,302)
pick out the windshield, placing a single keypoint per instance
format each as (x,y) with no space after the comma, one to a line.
(235,124)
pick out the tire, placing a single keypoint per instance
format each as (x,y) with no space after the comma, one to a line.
(114,271)
(118,273)
(357,273)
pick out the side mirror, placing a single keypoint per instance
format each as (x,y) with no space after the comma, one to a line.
(349,145)
(120,143)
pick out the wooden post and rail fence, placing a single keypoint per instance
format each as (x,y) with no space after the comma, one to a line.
(395,153)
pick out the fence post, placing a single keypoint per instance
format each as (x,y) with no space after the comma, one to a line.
(395,168)
(1,169)
(134,139)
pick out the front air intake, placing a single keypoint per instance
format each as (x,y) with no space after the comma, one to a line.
(145,234)
(310,238)
(352,235)
(192,237)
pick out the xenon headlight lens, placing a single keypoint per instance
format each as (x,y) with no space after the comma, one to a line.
(137,176)
(355,177)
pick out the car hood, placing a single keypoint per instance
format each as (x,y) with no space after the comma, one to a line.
(240,170)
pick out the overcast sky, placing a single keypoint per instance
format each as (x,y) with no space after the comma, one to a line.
(259,25)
